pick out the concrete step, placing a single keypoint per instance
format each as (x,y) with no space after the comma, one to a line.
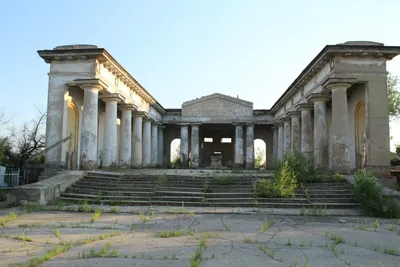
(107,202)
(333,200)
(178,193)
(110,193)
(96,197)
(115,184)
(115,188)
(329,191)
(326,195)
(283,200)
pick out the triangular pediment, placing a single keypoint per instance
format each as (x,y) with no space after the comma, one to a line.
(217,105)
(218,96)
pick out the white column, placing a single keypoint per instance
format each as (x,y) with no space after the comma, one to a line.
(184,147)
(154,143)
(195,146)
(287,136)
(306,143)
(161,145)
(88,152)
(110,145)
(137,138)
(125,150)
(280,149)
(340,128)
(320,130)
(295,131)
(238,145)
(146,145)
(250,146)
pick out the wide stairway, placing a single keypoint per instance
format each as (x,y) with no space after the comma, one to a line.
(213,189)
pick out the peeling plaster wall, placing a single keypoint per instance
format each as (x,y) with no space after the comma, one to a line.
(61,73)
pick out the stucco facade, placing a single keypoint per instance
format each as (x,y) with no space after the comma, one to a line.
(339,97)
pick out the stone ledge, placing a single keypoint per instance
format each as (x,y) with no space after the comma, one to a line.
(47,190)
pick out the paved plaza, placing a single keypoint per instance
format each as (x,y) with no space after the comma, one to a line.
(181,236)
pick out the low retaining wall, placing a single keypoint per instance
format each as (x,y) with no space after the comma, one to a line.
(46,190)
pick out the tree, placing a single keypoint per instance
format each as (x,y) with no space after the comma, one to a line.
(393,96)
(24,142)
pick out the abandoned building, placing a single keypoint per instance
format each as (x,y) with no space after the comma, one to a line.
(336,111)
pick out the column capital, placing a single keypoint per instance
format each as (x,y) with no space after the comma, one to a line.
(137,113)
(293,114)
(304,106)
(113,97)
(183,123)
(284,119)
(156,123)
(89,84)
(277,124)
(316,97)
(127,107)
(338,82)
(195,123)
(250,124)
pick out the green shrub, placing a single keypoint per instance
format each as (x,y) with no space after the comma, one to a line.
(175,163)
(369,194)
(283,184)
(302,166)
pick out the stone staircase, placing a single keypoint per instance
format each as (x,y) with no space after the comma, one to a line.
(200,190)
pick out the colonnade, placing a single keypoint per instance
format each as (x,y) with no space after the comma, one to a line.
(294,131)
(141,143)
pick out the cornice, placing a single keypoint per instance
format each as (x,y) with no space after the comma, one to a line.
(329,52)
(109,62)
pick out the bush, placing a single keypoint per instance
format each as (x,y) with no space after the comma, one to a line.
(369,194)
(302,166)
(283,184)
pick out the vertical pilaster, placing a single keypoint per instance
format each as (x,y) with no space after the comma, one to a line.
(295,131)
(154,143)
(125,151)
(280,147)
(195,146)
(137,139)
(88,152)
(306,129)
(110,146)
(340,128)
(238,145)
(287,136)
(250,146)
(184,147)
(320,130)
(146,144)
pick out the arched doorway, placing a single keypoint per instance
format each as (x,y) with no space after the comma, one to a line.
(72,127)
(360,128)
(175,152)
(260,154)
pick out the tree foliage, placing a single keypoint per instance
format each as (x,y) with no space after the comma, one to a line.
(393,95)
(259,159)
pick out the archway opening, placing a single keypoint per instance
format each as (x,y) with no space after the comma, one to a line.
(175,152)
(361,127)
(72,127)
(260,154)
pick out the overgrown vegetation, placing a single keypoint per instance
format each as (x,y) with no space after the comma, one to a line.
(283,184)
(369,194)
(294,169)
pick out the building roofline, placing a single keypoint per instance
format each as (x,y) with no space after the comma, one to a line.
(329,52)
(103,56)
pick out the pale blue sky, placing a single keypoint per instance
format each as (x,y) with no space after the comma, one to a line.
(180,50)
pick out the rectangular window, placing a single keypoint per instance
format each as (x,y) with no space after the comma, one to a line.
(208,140)
(226,140)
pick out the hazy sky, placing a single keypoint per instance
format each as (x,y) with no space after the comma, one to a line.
(181,50)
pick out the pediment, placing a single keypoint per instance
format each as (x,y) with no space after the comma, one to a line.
(217,105)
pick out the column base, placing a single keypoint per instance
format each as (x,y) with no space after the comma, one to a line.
(249,165)
(238,165)
(89,165)
(382,171)
(341,158)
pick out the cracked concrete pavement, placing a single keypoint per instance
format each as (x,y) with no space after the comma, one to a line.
(223,239)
